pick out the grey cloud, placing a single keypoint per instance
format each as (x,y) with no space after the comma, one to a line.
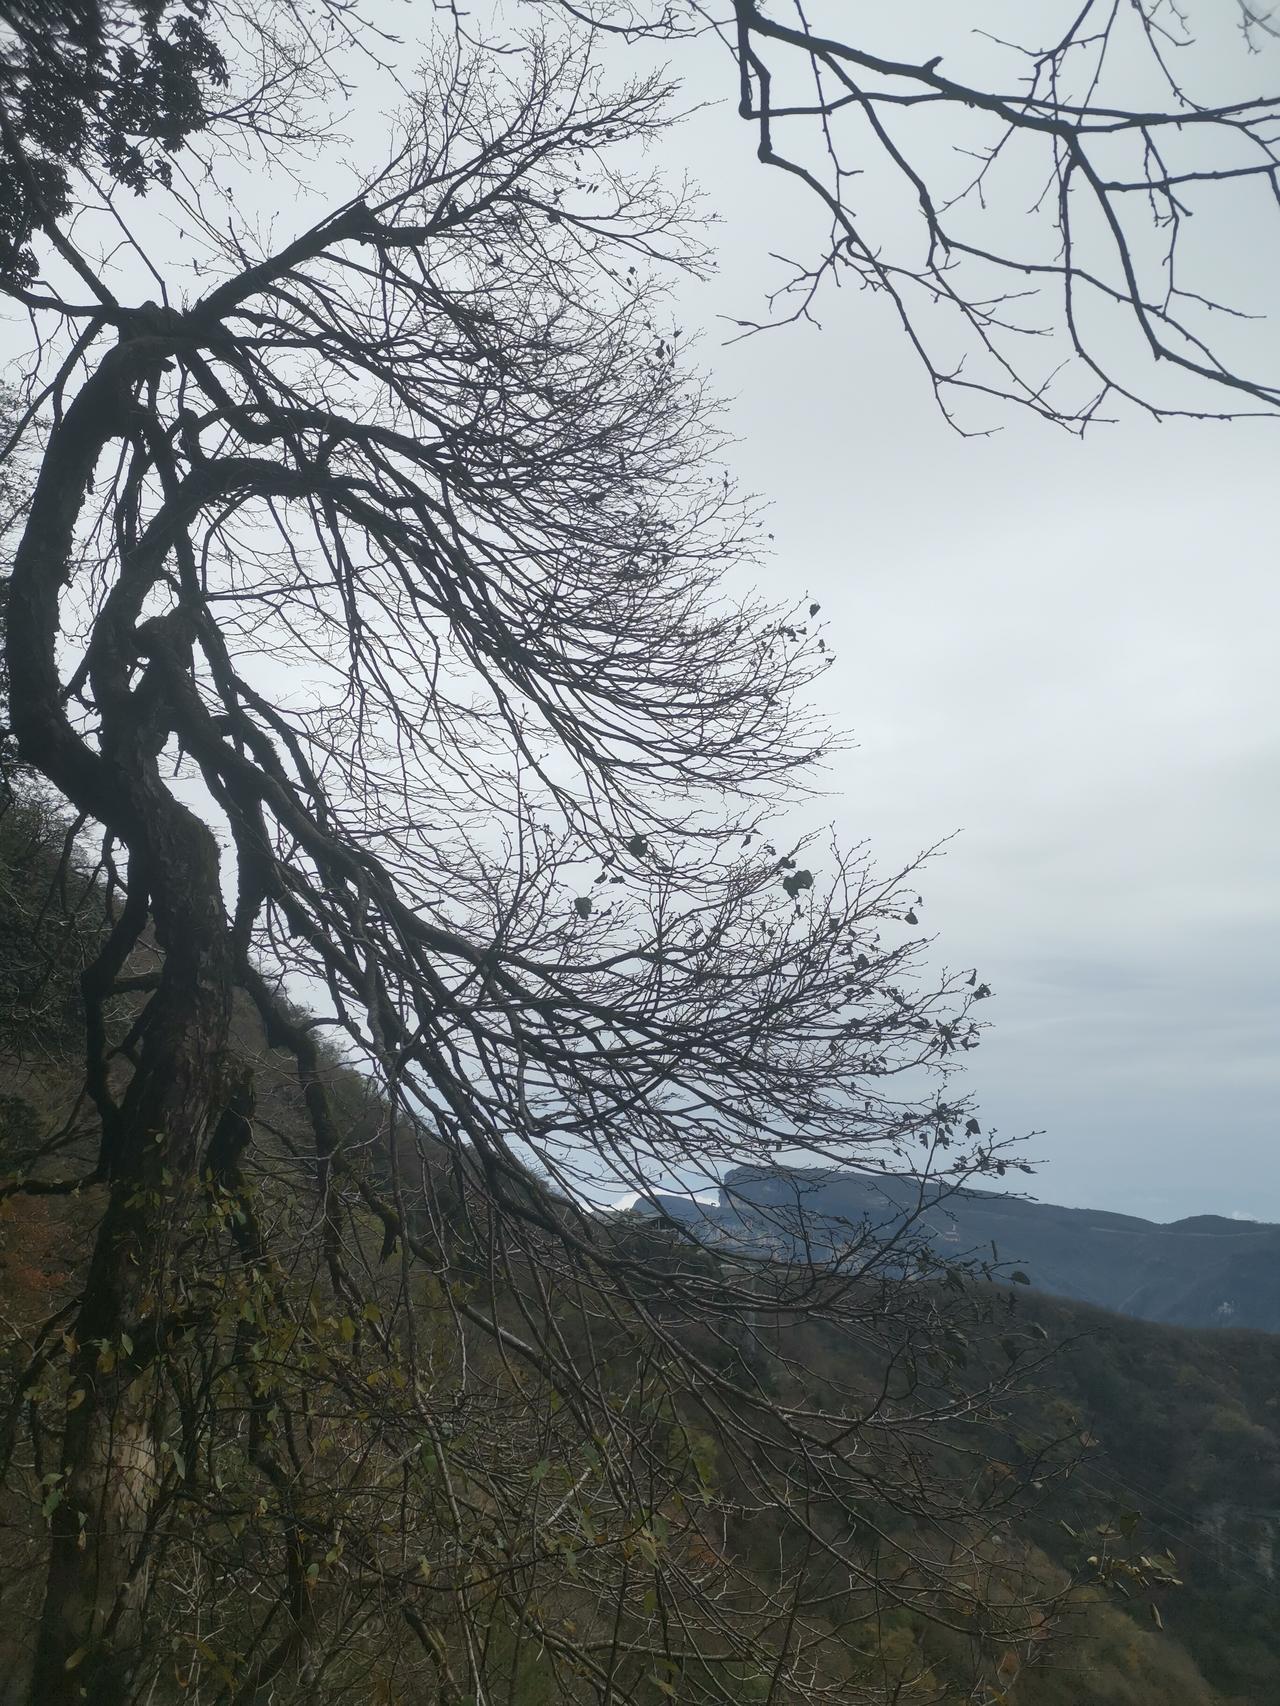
(1068,651)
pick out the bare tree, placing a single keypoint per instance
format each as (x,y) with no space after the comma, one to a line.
(1045,215)
(381,604)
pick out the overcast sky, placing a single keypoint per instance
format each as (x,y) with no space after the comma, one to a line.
(1067,651)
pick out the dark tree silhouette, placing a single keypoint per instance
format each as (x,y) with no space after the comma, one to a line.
(380,605)
(1045,211)
(91,82)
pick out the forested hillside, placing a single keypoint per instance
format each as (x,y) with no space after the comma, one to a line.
(1180,1433)
(1184,1437)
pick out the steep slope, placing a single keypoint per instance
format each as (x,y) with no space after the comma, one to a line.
(1185,1424)
(1184,1428)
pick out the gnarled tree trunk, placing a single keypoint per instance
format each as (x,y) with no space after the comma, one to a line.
(113,1470)
(113,1473)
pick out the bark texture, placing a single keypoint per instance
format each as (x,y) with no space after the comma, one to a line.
(112,1476)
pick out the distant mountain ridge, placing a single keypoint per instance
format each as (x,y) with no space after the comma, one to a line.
(1203,1271)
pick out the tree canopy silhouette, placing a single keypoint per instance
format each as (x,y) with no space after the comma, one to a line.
(1053,207)
(378,613)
